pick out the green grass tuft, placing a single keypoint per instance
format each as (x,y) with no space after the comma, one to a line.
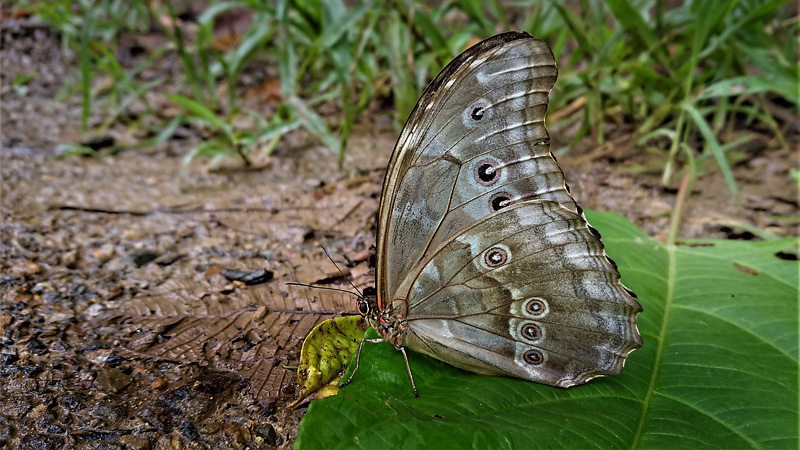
(686,80)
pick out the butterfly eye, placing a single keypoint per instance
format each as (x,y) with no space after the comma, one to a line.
(486,172)
(536,307)
(363,307)
(495,257)
(533,357)
(531,332)
(499,201)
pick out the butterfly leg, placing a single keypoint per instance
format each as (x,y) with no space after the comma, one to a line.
(408,368)
(358,359)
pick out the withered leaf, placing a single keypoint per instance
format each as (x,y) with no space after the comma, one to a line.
(251,330)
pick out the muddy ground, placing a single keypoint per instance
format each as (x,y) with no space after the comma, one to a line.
(121,325)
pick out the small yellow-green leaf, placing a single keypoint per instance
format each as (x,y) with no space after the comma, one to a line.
(325,354)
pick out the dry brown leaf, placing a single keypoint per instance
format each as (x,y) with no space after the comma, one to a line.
(251,330)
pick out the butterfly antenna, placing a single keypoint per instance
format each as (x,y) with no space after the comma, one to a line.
(340,270)
(292,283)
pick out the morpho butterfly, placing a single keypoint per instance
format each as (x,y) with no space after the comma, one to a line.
(484,259)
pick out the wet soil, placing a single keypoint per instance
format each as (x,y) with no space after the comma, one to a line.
(89,245)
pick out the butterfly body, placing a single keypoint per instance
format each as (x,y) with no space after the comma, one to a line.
(485,261)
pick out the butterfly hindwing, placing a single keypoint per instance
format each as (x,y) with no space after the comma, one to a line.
(526,292)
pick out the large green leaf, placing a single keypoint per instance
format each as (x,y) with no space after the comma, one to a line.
(718,368)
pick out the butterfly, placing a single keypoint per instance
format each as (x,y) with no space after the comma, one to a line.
(484,259)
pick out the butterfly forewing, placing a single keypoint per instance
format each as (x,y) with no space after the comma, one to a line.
(475,143)
(530,279)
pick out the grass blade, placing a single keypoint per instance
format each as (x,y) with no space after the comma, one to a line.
(713,144)
(201,112)
(315,124)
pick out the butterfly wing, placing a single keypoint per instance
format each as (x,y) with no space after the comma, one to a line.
(526,292)
(474,143)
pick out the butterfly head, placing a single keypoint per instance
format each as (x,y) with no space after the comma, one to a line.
(368,307)
(368,303)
